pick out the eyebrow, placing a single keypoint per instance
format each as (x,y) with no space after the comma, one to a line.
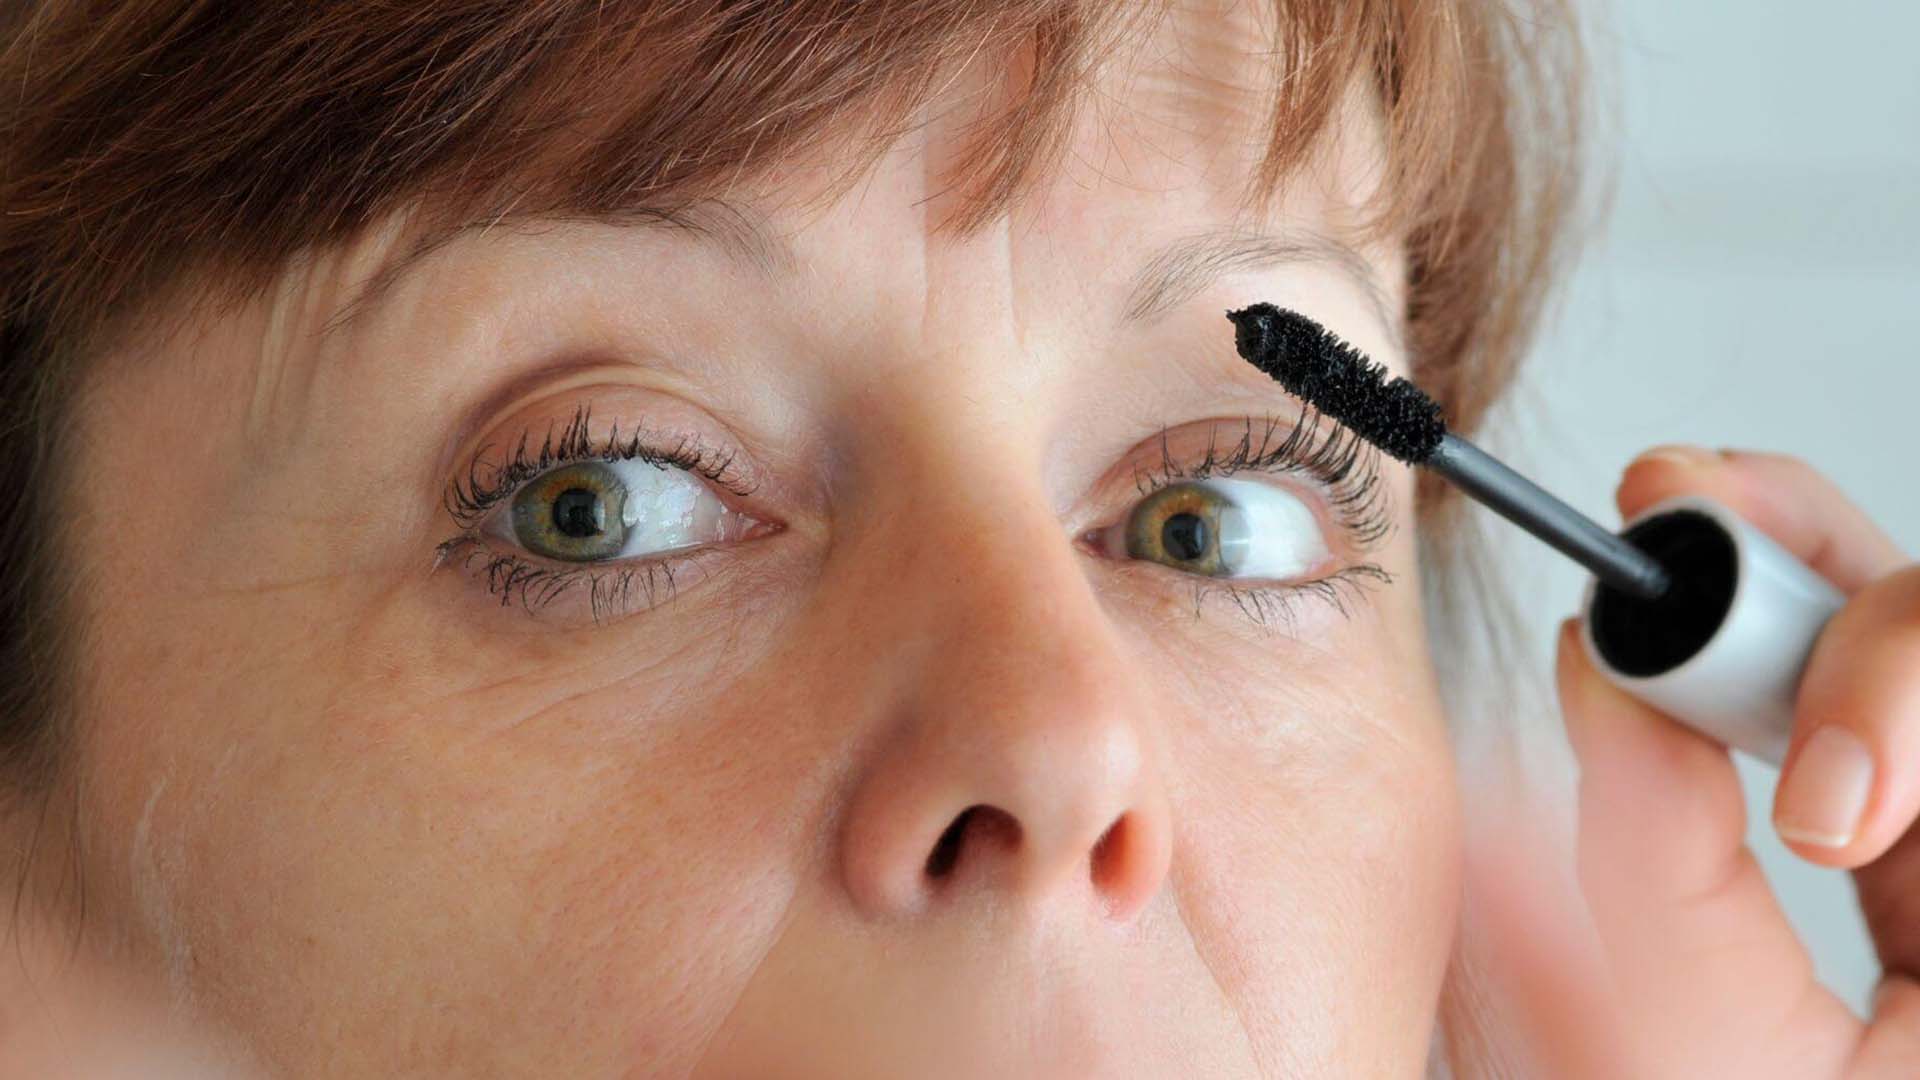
(741,235)
(1172,275)
(1181,269)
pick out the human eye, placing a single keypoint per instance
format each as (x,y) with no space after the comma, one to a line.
(1308,501)
(609,520)
(590,511)
(1225,528)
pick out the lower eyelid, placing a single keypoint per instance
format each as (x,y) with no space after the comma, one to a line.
(601,591)
(1343,589)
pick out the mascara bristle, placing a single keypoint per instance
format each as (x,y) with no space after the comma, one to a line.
(1340,381)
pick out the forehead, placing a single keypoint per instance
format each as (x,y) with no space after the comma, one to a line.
(1175,124)
(1153,185)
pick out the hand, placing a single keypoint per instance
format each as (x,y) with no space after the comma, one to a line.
(1707,976)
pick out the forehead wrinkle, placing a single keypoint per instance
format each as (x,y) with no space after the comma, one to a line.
(1205,78)
(284,363)
(286,352)
(1189,109)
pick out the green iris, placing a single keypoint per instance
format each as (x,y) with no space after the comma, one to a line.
(575,513)
(1183,526)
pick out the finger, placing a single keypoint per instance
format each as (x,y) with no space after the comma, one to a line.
(1850,785)
(1709,968)
(1891,1046)
(1789,501)
(1849,792)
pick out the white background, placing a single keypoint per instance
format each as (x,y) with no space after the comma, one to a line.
(1757,285)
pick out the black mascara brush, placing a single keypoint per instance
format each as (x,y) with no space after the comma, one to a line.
(1692,609)
(1405,423)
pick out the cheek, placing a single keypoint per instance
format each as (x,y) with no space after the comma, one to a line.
(1327,884)
(529,871)
(1320,842)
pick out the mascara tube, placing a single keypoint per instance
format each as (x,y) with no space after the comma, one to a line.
(1723,650)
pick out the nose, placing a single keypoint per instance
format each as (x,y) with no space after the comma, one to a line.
(1015,750)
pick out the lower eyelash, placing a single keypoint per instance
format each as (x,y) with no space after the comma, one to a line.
(1266,605)
(612,589)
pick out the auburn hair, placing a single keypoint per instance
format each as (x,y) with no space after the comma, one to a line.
(153,142)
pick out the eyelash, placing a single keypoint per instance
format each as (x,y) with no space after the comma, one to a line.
(610,588)
(470,503)
(1345,467)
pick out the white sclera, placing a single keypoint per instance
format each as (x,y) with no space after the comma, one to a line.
(666,509)
(1266,531)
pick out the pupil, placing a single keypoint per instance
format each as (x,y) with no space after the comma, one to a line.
(579,513)
(1184,536)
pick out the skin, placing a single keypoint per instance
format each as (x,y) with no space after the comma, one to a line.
(344,813)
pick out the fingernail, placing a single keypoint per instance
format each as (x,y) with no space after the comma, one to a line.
(1691,457)
(1821,799)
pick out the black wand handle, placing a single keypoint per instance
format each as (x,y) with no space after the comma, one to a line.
(1524,503)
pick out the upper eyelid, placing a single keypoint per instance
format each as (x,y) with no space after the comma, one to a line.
(1365,529)
(469,503)
(1362,501)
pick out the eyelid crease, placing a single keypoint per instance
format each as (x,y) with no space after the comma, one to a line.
(521,391)
(639,382)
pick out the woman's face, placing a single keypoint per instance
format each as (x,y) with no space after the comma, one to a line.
(833,682)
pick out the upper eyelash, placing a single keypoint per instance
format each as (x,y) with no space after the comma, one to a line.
(469,502)
(1344,463)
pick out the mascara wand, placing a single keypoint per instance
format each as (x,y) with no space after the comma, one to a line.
(1692,609)
(1405,423)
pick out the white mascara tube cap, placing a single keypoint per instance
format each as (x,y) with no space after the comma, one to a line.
(1724,649)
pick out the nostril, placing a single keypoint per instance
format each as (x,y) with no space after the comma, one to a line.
(978,825)
(1106,865)
(946,851)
